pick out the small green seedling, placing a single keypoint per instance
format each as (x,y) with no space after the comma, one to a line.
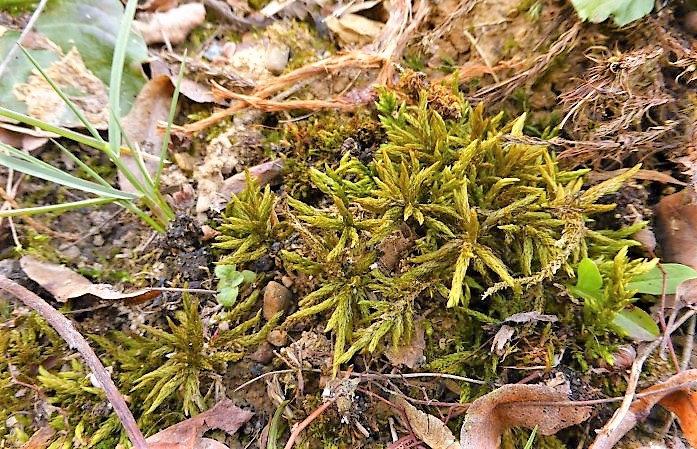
(622,11)
(229,281)
(652,281)
(602,306)
(528,444)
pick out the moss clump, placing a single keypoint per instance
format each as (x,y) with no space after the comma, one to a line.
(165,375)
(489,217)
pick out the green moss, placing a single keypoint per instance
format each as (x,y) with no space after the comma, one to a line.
(164,374)
(494,224)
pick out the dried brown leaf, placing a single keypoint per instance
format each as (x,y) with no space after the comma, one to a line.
(188,434)
(681,401)
(410,355)
(26,139)
(265,173)
(427,428)
(514,405)
(172,26)
(676,227)
(501,338)
(40,439)
(63,283)
(140,125)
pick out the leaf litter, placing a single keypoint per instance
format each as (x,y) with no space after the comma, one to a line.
(637,112)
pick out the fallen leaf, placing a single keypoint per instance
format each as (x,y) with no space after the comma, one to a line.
(188,434)
(527,317)
(682,402)
(410,355)
(172,26)
(158,5)
(63,283)
(83,88)
(140,125)
(427,428)
(40,439)
(490,415)
(265,173)
(676,227)
(354,29)
(501,338)
(91,27)
(25,139)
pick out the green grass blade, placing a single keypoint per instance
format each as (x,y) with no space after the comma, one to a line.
(117,63)
(54,207)
(64,97)
(82,165)
(62,178)
(13,152)
(68,134)
(170,120)
(137,155)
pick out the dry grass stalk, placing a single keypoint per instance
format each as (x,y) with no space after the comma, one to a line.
(505,88)
(402,24)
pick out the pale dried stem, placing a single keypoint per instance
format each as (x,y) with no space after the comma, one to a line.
(616,427)
(505,88)
(401,26)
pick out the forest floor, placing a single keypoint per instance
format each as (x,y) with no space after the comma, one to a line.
(392,229)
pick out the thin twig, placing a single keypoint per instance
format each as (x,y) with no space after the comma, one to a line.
(689,344)
(413,375)
(72,337)
(612,426)
(306,422)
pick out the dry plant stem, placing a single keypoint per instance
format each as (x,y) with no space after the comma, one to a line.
(306,422)
(667,342)
(32,20)
(505,88)
(689,344)
(76,341)
(400,27)
(614,425)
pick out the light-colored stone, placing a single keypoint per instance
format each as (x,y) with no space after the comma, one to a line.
(277,298)
(277,338)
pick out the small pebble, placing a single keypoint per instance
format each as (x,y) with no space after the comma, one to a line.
(287,281)
(277,338)
(277,298)
(263,354)
(690,22)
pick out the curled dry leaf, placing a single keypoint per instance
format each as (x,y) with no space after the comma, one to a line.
(412,354)
(188,434)
(63,283)
(140,125)
(682,402)
(515,405)
(501,338)
(266,173)
(427,428)
(526,317)
(172,26)
(676,227)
